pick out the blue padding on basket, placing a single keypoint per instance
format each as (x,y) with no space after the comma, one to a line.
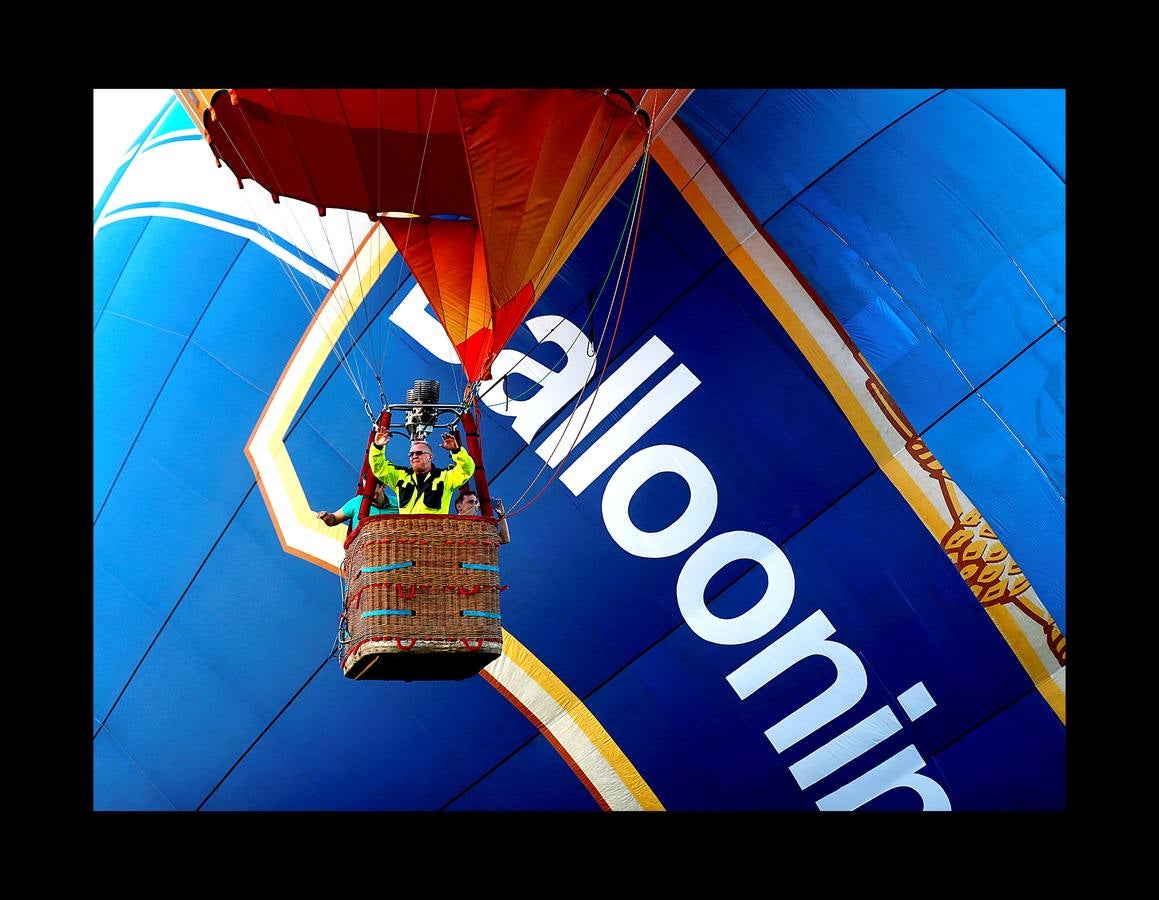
(482,568)
(479,614)
(367,569)
(387,612)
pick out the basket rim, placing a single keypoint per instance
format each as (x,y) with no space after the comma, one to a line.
(394,517)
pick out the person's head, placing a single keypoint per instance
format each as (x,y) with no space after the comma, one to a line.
(420,457)
(467,503)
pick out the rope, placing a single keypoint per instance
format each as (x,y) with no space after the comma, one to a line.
(325,231)
(620,244)
(415,199)
(637,211)
(336,345)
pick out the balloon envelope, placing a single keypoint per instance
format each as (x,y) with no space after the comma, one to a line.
(504,182)
(804,548)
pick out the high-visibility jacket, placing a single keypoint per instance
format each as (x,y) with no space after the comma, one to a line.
(427,493)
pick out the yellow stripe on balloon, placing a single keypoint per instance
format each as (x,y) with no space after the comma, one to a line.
(299,531)
(565,721)
(831,354)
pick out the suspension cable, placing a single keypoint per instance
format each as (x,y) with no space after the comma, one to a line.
(620,245)
(321,215)
(628,260)
(335,340)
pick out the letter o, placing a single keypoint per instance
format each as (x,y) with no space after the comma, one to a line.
(712,556)
(632,475)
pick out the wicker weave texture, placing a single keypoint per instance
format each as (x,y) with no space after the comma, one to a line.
(406,581)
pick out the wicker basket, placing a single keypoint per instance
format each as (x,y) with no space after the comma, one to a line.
(422,598)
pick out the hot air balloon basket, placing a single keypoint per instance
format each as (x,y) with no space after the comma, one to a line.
(422,598)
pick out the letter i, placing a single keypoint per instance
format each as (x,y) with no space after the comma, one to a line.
(863,736)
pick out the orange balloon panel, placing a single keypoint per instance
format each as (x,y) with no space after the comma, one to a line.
(504,182)
(347,149)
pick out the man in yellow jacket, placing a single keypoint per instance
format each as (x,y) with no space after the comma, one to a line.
(424,487)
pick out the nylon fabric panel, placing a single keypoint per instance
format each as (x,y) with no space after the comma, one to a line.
(123,618)
(248,346)
(735,401)
(195,282)
(909,360)
(686,734)
(1030,515)
(272,647)
(441,256)
(537,778)
(1029,396)
(943,235)
(293,155)
(268,778)
(180,723)
(123,399)
(122,787)
(712,114)
(388,738)
(793,488)
(217,470)
(1033,115)
(774,148)
(112,246)
(1028,779)
(532,164)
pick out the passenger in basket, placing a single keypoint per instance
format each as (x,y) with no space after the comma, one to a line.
(467,504)
(423,487)
(381,504)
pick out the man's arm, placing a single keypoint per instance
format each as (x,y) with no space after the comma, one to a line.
(462,470)
(333,518)
(384,470)
(504,531)
(464,467)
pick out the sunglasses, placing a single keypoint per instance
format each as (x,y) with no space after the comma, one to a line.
(419,453)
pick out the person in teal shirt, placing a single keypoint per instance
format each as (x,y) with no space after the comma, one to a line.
(381,504)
